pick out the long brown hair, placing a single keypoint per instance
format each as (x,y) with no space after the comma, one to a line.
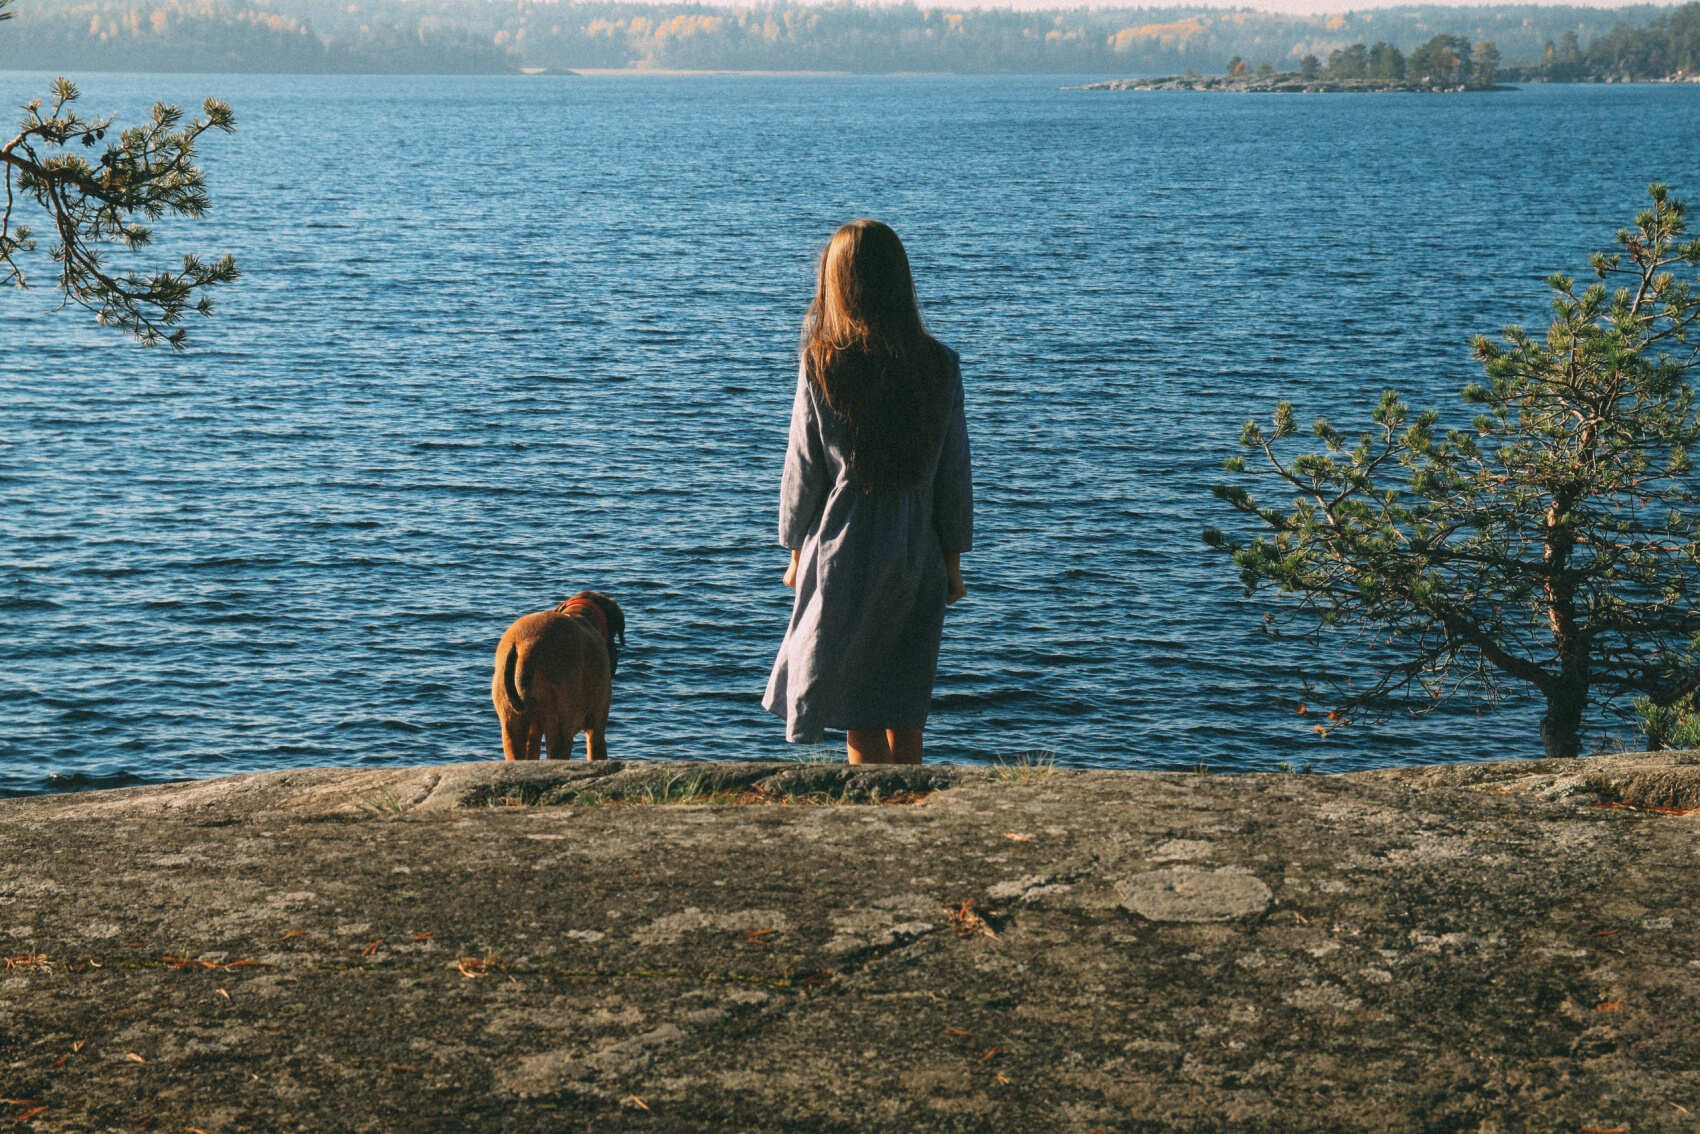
(866,348)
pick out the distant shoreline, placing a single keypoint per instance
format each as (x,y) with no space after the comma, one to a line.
(1562,40)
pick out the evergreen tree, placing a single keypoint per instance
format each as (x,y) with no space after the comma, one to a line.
(1443,60)
(1386,62)
(1348,62)
(1555,543)
(148,172)
(1676,725)
(1668,47)
(1487,63)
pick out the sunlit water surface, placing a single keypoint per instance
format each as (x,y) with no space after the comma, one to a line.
(498,340)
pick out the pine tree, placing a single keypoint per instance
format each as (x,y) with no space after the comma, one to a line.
(1487,63)
(1386,61)
(1556,542)
(148,172)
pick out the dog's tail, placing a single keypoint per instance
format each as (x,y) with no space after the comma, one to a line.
(513,678)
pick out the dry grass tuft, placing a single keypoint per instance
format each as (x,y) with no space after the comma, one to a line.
(1024,766)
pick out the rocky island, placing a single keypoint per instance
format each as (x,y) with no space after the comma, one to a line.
(1289,82)
(1445,64)
(686,947)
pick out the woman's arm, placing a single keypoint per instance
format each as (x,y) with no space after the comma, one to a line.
(802,489)
(953,495)
(790,579)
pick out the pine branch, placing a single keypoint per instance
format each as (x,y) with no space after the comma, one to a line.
(148,172)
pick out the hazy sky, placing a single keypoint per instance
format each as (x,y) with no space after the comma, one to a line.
(1290,7)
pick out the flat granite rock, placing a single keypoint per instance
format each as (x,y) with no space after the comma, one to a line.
(1182,894)
(778,947)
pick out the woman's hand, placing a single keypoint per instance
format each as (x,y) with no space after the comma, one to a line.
(955,588)
(790,579)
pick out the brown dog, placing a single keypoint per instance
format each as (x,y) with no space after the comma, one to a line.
(554,677)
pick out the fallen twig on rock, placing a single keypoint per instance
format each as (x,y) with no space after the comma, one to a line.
(972,919)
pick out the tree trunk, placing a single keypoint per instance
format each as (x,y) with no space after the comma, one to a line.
(1567,695)
(1561,727)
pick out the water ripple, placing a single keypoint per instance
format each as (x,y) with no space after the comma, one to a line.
(436,401)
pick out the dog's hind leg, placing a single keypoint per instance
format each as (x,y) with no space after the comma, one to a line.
(514,738)
(596,739)
(534,744)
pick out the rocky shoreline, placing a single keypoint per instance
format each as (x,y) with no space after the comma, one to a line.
(1287,82)
(683,947)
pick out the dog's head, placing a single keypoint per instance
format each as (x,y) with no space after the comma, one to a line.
(613,622)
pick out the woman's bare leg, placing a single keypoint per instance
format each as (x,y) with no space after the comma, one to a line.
(868,746)
(905,744)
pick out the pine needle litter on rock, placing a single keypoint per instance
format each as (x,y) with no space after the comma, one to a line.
(475,967)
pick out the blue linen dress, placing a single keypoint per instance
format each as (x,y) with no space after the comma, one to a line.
(863,644)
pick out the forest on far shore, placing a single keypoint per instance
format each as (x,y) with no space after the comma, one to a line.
(1560,44)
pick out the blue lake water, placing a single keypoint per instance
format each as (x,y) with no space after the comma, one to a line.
(498,340)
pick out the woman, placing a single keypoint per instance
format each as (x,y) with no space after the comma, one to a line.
(876,506)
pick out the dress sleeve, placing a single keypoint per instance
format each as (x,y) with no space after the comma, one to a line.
(953,488)
(802,490)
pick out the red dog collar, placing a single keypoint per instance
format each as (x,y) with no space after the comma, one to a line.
(575,607)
